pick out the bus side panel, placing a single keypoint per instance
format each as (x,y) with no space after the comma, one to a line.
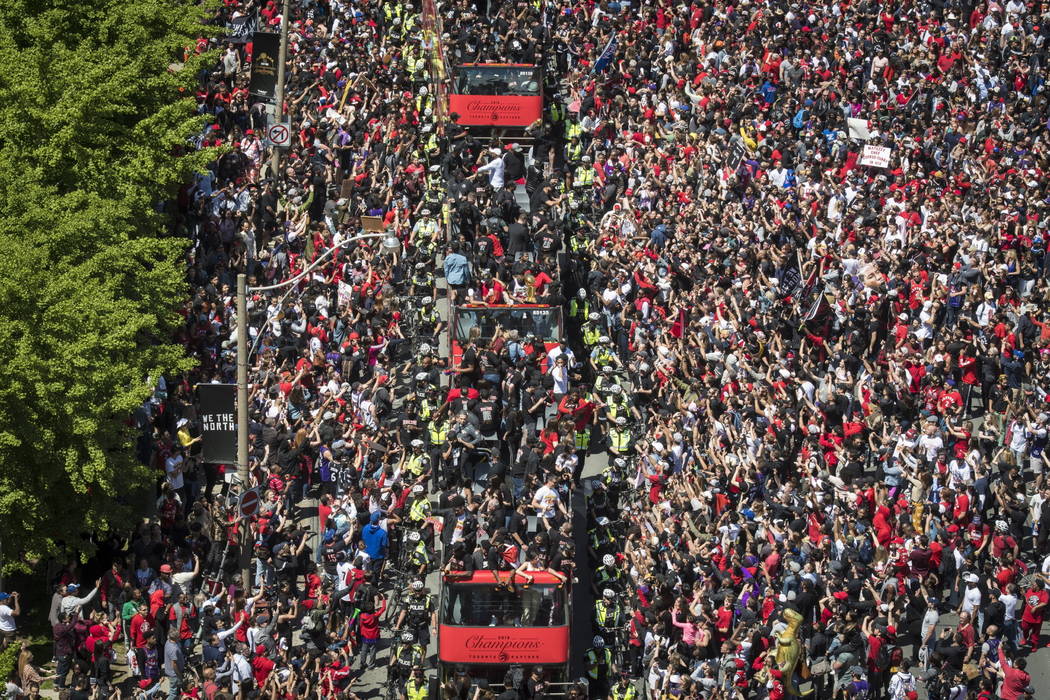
(496,110)
(503,645)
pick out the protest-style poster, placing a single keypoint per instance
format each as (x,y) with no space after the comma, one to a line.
(876,156)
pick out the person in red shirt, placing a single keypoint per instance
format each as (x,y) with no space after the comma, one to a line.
(182,614)
(1035,600)
(368,626)
(724,620)
(262,666)
(1002,541)
(141,626)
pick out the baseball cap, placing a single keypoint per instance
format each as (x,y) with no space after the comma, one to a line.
(165,569)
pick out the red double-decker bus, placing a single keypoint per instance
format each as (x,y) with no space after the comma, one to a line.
(497,94)
(489,624)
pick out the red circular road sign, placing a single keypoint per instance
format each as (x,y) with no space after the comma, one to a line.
(249,503)
(279,134)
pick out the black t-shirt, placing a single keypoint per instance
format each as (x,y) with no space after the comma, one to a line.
(549,242)
(470,360)
(488,413)
(329,554)
(517,238)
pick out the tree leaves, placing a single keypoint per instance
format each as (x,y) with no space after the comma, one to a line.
(93,133)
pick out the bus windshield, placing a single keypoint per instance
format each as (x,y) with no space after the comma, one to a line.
(543,323)
(486,605)
(498,80)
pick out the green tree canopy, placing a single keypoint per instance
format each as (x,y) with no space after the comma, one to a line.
(95,115)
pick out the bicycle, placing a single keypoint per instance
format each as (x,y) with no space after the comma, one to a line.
(620,642)
(398,586)
(393,685)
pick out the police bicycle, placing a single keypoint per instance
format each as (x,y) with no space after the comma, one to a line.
(399,580)
(618,645)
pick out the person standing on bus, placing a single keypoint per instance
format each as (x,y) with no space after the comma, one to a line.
(530,597)
(494,169)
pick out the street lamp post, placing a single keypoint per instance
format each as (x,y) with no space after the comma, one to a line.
(390,243)
(282,58)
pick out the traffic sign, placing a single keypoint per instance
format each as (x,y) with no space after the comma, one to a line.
(249,503)
(279,134)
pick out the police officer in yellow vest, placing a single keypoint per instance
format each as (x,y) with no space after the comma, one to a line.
(423,100)
(583,176)
(426,408)
(608,575)
(418,687)
(620,437)
(556,111)
(573,130)
(618,405)
(624,689)
(608,615)
(605,382)
(440,449)
(418,555)
(582,439)
(415,462)
(428,321)
(599,667)
(406,655)
(422,280)
(590,330)
(602,354)
(432,147)
(579,307)
(419,506)
(573,151)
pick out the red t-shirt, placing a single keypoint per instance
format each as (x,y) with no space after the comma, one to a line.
(1034,597)
(140,627)
(261,667)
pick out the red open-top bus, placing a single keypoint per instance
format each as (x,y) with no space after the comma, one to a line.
(540,321)
(489,625)
(497,94)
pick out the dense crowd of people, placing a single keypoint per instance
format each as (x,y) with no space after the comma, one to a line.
(816,389)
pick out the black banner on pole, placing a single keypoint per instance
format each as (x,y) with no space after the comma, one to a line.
(266,48)
(217,404)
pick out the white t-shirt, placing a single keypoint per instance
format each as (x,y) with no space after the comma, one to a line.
(171,465)
(971,599)
(560,375)
(1010,603)
(931,444)
(548,500)
(7,618)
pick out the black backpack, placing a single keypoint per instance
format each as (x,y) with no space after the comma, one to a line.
(882,657)
(365,598)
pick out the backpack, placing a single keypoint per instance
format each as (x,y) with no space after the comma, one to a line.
(365,598)
(882,657)
(905,687)
(314,621)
